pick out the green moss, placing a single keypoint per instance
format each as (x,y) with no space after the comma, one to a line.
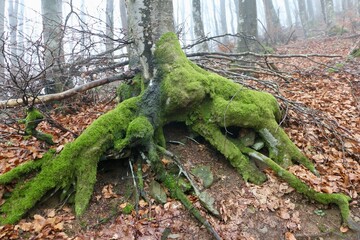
(355,52)
(26,168)
(33,119)
(240,162)
(339,199)
(131,89)
(128,208)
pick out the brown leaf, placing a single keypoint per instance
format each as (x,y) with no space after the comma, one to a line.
(39,223)
(289,236)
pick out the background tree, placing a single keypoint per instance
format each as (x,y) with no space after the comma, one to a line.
(13,24)
(109,43)
(288,13)
(247,25)
(303,16)
(2,42)
(328,12)
(123,14)
(52,37)
(273,27)
(198,24)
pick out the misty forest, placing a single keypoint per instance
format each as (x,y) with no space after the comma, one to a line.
(169,119)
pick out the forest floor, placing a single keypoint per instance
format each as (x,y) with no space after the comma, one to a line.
(270,211)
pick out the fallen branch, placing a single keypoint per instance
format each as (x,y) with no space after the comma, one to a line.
(68,93)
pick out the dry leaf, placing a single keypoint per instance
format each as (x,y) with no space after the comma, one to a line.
(289,236)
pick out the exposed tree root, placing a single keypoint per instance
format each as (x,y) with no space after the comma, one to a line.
(182,92)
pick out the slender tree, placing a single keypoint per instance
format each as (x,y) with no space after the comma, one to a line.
(247,24)
(2,40)
(217,31)
(52,37)
(303,16)
(109,43)
(123,15)
(273,26)
(198,24)
(13,23)
(288,13)
(310,11)
(327,7)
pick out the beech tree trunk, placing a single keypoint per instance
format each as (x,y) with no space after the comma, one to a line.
(198,24)
(247,24)
(52,37)
(2,41)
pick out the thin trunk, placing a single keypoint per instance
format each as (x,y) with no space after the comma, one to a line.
(247,24)
(310,10)
(330,15)
(2,40)
(109,43)
(123,15)
(303,16)
(13,11)
(198,24)
(215,18)
(288,13)
(52,36)
(223,23)
(272,21)
(20,35)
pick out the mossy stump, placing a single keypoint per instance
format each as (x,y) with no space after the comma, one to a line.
(180,92)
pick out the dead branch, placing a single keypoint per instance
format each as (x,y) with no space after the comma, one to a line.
(68,93)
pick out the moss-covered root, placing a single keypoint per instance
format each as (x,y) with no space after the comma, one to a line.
(176,192)
(33,118)
(337,198)
(26,168)
(240,162)
(282,149)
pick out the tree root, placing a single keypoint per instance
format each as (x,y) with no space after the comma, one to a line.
(341,200)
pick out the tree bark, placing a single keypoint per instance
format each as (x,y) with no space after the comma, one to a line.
(109,42)
(198,24)
(52,37)
(13,23)
(2,41)
(273,26)
(288,13)
(303,16)
(247,24)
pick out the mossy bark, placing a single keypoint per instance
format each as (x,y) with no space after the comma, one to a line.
(182,92)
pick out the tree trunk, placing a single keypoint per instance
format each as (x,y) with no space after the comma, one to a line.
(109,42)
(52,37)
(2,42)
(329,13)
(198,24)
(123,15)
(145,27)
(310,10)
(288,13)
(303,16)
(273,26)
(247,24)
(13,23)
